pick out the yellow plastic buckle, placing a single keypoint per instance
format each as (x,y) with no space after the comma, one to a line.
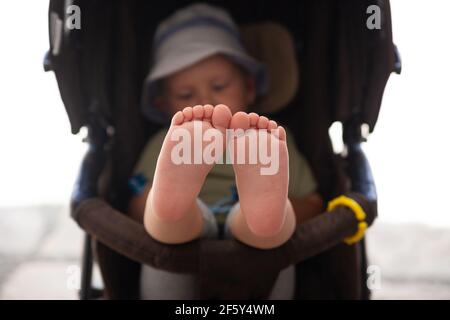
(359,214)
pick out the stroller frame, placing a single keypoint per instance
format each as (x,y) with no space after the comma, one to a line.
(357,69)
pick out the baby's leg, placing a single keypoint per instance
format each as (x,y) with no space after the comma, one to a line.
(172,214)
(265,218)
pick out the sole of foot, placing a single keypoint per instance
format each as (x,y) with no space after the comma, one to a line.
(176,186)
(262,197)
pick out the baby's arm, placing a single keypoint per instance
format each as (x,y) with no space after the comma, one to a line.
(307,207)
(136,207)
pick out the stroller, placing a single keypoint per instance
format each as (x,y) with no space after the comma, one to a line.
(325,66)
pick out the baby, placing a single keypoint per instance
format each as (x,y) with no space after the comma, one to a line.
(204,80)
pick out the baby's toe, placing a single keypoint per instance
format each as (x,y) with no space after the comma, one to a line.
(263,122)
(187,112)
(221,116)
(240,120)
(197,112)
(253,119)
(280,133)
(178,118)
(208,111)
(272,125)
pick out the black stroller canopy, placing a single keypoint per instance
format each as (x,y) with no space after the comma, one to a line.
(354,61)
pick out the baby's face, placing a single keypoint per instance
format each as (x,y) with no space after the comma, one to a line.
(214,80)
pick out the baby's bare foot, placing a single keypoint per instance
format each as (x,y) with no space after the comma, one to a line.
(176,185)
(262,196)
